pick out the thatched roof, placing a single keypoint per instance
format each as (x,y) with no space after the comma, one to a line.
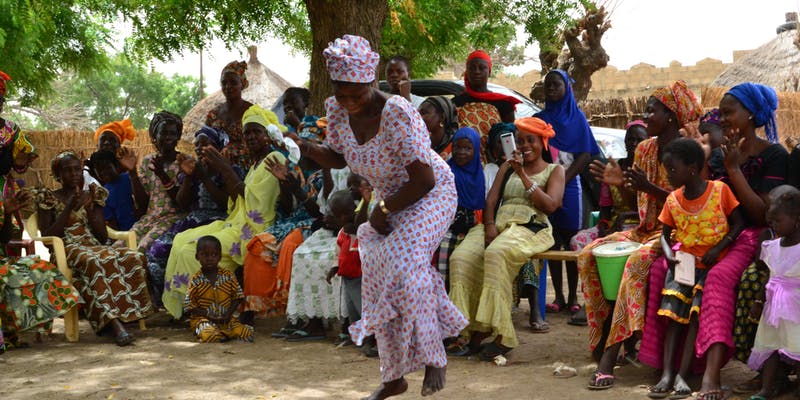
(776,64)
(265,87)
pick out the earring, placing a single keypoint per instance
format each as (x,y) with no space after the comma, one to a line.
(441,124)
(750,117)
(670,119)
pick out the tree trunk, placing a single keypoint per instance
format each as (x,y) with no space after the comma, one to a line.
(330,20)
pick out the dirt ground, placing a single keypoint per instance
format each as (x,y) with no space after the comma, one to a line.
(167,363)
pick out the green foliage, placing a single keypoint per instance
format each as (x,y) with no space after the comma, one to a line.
(125,89)
(433,33)
(544,20)
(40,39)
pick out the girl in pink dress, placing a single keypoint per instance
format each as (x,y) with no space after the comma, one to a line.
(385,140)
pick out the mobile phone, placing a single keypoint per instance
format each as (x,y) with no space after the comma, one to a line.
(508,143)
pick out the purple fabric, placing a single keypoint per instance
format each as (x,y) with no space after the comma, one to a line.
(758,358)
(783,296)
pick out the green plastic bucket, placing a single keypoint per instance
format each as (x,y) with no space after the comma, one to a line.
(611,258)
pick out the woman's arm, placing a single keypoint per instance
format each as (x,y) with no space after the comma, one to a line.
(96,222)
(635,179)
(549,198)
(128,160)
(489,227)
(320,153)
(420,181)
(234,186)
(51,224)
(579,163)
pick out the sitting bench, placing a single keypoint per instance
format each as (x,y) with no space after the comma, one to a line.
(546,256)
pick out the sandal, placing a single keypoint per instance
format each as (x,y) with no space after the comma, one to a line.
(578,318)
(678,395)
(343,340)
(283,332)
(458,349)
(540,327)
(717,393)
(597,377)
(574,308)
(554,307)
(492,350)
(124,339)
(302,336)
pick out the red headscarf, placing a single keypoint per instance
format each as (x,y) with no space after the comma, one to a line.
(486,96)
(3,78)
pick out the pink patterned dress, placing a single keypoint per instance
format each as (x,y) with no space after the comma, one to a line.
(405,304)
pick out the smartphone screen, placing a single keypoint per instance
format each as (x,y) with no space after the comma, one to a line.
(508,143)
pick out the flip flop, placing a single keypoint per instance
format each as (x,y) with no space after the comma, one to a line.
(492,350)
(658,395)
(680,395)
(554,308)
(302,336)
(540,327)
(124,339)
(283,332)
(578,318)
(716,392)
(599,376)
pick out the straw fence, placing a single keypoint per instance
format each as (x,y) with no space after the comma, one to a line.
(613,113)
(49,143)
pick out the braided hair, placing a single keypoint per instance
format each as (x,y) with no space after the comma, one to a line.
(160,120)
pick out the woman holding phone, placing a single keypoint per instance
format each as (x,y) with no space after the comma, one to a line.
(483,267)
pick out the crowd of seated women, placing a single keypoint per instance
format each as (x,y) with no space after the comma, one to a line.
(268,208)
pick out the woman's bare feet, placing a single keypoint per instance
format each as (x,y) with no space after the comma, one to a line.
(389,389)
(434,380)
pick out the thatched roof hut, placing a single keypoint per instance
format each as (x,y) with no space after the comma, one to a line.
(265,87)
(776,64)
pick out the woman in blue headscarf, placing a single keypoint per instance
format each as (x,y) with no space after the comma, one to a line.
(572,147)
(204,195)
(468,172)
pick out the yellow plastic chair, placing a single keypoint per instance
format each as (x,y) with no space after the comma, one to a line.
(59,256)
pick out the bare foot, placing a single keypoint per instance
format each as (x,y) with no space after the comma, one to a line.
(681,389)
(434,380)
(389,389)
(663,387)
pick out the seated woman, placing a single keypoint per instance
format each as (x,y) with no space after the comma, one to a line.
(108,137)
(478,107)
(228,115)
(251,208)
(441,119)
(483,267)
(112,280)
(268,263)
(617,205)
(203,192)
(612,323)
(156,184)
(753,167)
(32,291)
(466,167)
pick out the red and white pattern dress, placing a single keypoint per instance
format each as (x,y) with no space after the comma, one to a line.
(405,304)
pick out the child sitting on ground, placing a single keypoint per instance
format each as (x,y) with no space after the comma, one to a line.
(705,220)
(119,212)
(213,296)
(343,211)
(777,343)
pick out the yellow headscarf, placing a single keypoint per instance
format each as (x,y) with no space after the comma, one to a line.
(22,146)
(262,117)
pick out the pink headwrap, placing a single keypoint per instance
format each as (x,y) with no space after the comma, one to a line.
(635,123)
(350,59)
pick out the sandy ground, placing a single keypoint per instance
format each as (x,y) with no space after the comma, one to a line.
(167,363)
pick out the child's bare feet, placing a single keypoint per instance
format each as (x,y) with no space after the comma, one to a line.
(434,380)
(389,389)
(681,389)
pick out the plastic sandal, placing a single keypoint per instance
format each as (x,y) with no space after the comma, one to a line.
(598,376)
(554,308)
(302,336)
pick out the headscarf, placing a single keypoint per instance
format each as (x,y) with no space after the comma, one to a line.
(494,136)
(162,118)
(450,118)
(486,96)
(573,134)
(711,117)
(469,178)
(238,68)
(537,127)
(55,164)
(679,99)
(3,79)
(762,101)
(216,136)
(350,59)
(22,146)
(269,121)
(123,130)
(636,122)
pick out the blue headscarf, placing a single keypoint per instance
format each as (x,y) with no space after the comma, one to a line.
(470,183)
(762,101)
(218,137)
(573,134)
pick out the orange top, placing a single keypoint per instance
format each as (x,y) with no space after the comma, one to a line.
(700,223)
